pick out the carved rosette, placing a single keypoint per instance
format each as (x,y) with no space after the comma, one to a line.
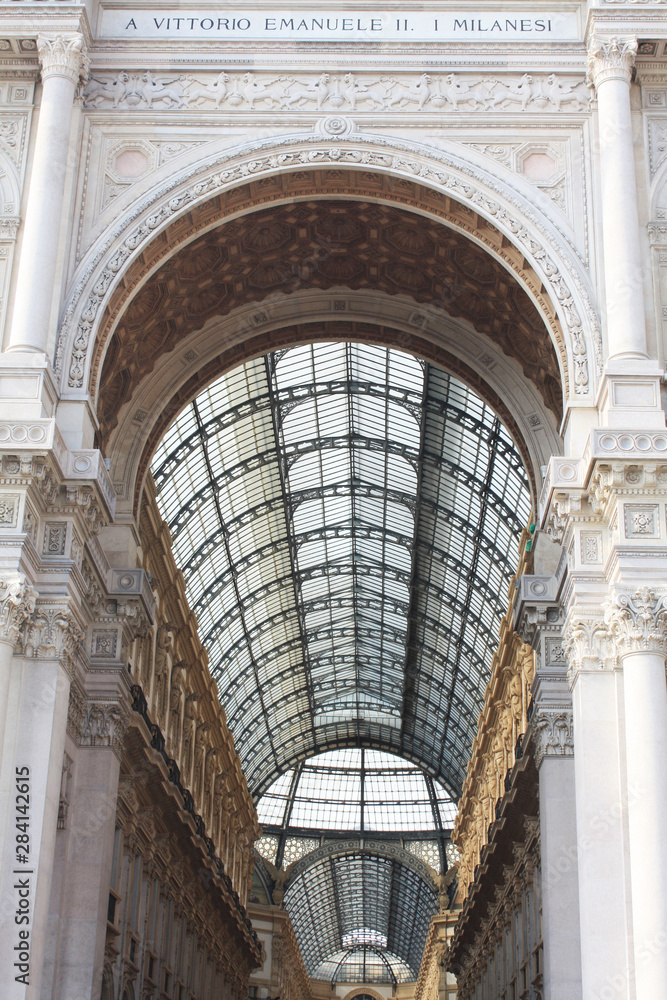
(63,55)
(587,645)
(638,623)
(610,59)
(17,603)
(551,732)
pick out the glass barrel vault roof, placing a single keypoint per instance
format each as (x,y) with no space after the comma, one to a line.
(347,520)
(374,931)
(355,790)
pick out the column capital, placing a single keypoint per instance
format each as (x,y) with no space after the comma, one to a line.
(610,59)
(551,731)
(52,632)
(63,55)
(638,622)
(99,722)
(587,643)
(17,603)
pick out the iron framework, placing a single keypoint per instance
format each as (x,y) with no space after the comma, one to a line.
(347,520)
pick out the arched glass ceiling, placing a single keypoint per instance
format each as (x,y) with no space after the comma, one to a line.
(382,917)
(347,519)
(364,964)
(356,790)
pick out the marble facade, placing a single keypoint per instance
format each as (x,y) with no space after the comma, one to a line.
(534,160)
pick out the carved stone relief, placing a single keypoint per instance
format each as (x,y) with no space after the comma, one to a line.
(96,723)
(130,159)
(657,143)
(347,92)
(551,729)
(542,164)
(17,603)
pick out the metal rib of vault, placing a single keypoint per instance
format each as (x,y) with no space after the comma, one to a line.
(347,519)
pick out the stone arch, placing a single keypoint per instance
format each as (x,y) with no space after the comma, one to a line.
(107,984)
(363,991)
(437,183)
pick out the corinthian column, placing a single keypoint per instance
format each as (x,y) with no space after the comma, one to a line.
(63,62)
(17,602)
(638,625)
(610,64)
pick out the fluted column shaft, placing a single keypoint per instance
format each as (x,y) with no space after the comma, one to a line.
(639,627)
(610,63)
(63,61)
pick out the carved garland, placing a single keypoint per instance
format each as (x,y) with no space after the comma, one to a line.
(114,258)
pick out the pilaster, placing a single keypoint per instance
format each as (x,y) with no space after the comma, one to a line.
(609,511)
(539,619)
(637,624)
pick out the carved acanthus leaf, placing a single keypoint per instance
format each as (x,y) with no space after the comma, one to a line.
(17,603)
(551,730)
(587,644)
(610,59)
(52,633)
(638,623)
(63,55)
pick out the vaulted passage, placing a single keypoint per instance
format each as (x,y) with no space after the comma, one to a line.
(347,518)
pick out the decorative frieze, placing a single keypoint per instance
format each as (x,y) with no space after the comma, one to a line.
(349,93)
(638,623)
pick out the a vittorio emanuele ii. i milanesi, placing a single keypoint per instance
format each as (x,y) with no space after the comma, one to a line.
(333,500)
